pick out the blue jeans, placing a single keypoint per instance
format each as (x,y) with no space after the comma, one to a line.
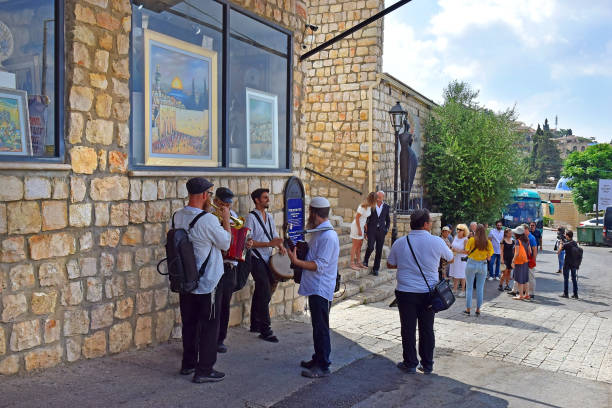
(495,259)
(561,257)
(475,270)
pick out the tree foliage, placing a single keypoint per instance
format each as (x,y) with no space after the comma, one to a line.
(471,163)
(584,169)
(545,159)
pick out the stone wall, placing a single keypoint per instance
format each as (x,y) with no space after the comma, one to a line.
(566,214)
(79,241)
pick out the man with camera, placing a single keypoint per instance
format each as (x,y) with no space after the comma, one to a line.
(559,244)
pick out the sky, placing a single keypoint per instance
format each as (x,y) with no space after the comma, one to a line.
(546,58)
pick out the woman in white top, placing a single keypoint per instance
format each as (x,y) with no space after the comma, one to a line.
(357,230)
(457,268)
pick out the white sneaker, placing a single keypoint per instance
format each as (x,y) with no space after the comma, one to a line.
(497,278)
(489,278)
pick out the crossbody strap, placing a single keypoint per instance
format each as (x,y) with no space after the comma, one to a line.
(268,234)
(417,262)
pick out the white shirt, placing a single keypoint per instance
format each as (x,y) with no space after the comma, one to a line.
(207,236)
(258,234)
(428,249)
(496,236)
(379,208)
(324,251)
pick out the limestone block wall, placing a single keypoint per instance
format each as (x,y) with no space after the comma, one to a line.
(79,241)
(335,106)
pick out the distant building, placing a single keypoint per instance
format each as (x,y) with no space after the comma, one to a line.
(572,143)
(526,142)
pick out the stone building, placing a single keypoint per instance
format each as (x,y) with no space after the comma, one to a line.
(87,194)
(568,144)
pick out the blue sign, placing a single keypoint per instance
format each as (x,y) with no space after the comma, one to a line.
(295,218)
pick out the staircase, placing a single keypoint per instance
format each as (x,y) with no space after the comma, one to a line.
(360,285)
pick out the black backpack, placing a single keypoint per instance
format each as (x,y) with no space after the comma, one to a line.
(183,272)
(576,256)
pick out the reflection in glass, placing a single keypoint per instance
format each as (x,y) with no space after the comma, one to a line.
(27,57)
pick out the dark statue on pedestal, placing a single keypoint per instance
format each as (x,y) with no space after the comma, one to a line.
(408,165)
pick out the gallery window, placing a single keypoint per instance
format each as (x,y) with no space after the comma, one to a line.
(31,47)
(209,87)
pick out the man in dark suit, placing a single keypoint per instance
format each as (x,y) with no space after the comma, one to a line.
(376,228)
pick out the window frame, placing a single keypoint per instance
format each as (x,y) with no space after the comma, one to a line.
(228,6)
(59,92)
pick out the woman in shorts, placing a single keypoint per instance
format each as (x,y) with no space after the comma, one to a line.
(507,250)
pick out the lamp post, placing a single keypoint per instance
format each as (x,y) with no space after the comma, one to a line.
(397,115)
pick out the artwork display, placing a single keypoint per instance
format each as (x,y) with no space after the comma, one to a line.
(180,102)
(14,123)
(262,129)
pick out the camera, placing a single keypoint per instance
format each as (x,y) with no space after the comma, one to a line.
(464,258)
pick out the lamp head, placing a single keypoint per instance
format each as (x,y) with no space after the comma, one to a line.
(397,114)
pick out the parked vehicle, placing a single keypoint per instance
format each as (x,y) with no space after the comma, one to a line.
(607,228)
(526,206)
(593,222)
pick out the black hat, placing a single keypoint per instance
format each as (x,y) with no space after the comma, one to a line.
(198,185)
(224,194)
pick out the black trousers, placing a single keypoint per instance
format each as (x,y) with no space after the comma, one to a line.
(375,238)
(200,321)
(260,304)
(413,309)
(319,314)
(566,274)
(225,291)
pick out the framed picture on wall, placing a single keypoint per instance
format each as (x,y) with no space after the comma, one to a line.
(14,123)
(180,102)
(262,129)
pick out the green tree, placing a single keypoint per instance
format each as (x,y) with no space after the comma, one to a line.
(470,164)
(545,160)
(584,169)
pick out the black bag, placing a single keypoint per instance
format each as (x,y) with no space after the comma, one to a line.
(183,272)
(576,255)
(441,296)
(243,269)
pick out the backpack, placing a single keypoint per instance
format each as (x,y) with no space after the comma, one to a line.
(183,272)
(521,258)
(576,256)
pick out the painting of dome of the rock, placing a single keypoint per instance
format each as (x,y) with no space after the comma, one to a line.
(181,107)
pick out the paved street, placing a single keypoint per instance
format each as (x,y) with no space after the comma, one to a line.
(549,353)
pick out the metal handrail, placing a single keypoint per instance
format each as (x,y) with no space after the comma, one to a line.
(332,180)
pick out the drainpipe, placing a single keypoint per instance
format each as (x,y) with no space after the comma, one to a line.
(370,126)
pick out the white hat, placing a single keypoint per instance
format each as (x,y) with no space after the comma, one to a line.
(520,230)
(319,202)
(445,228)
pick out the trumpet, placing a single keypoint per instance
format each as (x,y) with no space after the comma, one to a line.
(238,221)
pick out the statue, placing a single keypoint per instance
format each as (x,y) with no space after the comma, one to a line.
(408,165)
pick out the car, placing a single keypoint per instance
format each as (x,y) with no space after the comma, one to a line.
(593,222)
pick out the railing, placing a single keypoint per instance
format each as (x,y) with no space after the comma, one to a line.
(333,180)
(407,201)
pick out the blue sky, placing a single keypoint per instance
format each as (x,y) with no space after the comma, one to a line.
(546,57)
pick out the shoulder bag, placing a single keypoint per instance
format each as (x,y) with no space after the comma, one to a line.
(440,296)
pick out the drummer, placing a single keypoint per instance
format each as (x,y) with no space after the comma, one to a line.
(224,197)
(265,238)
(318,281)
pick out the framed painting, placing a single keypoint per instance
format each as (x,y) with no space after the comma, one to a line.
(14,123)
(262,129)
(180,102)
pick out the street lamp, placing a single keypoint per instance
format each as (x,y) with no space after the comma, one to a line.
(397,115)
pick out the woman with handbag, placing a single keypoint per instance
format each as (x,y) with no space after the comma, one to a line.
(479,250)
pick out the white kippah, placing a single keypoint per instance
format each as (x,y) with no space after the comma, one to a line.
(319,202)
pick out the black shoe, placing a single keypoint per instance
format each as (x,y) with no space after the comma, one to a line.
(575,297)
(466,312)
(254,329)
(531,297)
(214,376)
(500,288)
(308,364)
(559,271)
(408,370)
(187,371)
(221,348)
(375,273)
(269,337)
(424,370)
(564,295)
(477,313)
(512,293)
(316,372)
(507,288)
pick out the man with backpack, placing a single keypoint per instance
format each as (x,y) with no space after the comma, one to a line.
(200,307)
(573,259)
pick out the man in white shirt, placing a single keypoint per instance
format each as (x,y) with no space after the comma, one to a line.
(412,291)
(496,236)
(200,308)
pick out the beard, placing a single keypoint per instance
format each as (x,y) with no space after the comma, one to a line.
(310,224)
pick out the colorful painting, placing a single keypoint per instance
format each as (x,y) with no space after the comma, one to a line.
(180,102)
(14,123)
(262,129)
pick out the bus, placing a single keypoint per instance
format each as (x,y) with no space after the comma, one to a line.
(525,207)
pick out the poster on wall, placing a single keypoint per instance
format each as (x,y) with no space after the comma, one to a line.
(262,129)
(604,196)
(14,123)
(180,102)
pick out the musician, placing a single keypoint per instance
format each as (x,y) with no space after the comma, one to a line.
(224,197)
(318,281)
(265,238)
(200,308)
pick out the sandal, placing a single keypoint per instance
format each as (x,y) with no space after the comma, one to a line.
(355,267)
(518,298)
(466,312)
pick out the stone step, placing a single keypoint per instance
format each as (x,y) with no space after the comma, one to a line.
(357,283)
(377,293)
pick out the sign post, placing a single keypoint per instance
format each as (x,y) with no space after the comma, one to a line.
(294,209)
(604,195)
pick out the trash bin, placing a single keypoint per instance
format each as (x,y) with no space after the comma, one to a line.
(586,235)
(598,236)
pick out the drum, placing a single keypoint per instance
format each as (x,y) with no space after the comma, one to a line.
(237,249)
(280,265)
